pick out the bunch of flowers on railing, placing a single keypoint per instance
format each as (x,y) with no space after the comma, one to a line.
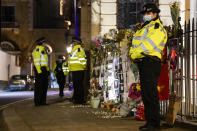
(175,10)
(108,43)
(103,45)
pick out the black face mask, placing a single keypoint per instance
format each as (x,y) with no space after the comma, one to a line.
(60,61)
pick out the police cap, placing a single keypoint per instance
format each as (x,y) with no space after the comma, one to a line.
(76,39)
(40,40)
(150,8)
(61,57)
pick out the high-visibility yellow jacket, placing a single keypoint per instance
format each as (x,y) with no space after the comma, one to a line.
(77,59)
(40,58)
(64,68)
(150,40)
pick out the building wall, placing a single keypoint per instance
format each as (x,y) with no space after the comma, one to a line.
(25,35)
(108,15)
(85,22)
(8,60)
(102,10)
(187,10)
(14,70)
(193,9)
(95,18)
(165,13)
(103,16)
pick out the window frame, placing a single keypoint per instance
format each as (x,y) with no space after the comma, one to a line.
(14,13)
(138,17)
(10,24)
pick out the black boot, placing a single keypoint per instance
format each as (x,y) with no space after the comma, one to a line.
(149,127)
(144,126)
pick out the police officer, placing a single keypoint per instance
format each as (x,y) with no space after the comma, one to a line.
(61,70)
(41,69)
(77,65)
(147,46)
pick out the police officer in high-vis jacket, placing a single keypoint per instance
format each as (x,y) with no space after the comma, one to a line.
(41,69)
(147,46)
(60,70)
(77,65)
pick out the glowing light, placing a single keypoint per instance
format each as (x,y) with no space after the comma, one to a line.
(61,6)
(69,49)
(68,22)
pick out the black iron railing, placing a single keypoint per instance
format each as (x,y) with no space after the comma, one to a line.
(183,79)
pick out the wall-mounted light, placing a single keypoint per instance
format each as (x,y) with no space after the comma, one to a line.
(67,22)
(61,6)
(79,4)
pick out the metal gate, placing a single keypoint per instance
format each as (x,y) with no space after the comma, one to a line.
(183,79)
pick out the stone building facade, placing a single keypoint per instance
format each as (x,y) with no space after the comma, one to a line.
(96,18)
(19,33)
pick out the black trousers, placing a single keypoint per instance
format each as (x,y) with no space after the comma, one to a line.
(41,86)
(149,71)
(78,96)
(61,80)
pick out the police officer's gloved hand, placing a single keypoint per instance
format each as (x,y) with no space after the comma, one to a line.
(48,73)
(44,70)
(39,75)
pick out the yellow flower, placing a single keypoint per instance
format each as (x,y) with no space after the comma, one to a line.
(160,88)
(175,5)
(138,87)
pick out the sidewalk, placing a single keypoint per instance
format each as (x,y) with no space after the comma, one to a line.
(62,115)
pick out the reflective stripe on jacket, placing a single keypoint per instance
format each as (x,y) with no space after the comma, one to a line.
(40,58)
(77,59)
(149,40)
(64,68)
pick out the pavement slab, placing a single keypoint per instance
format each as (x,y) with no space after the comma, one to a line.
(62,115)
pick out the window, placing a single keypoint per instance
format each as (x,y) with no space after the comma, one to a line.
(128,12)
(7,14)
(8,17)
(46,14)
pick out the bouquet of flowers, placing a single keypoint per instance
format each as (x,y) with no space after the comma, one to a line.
(93,91)
(175,9)
(134,91)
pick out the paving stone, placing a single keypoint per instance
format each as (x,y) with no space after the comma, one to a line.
(61,115)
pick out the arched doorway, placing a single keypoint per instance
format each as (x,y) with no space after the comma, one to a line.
(8,46)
